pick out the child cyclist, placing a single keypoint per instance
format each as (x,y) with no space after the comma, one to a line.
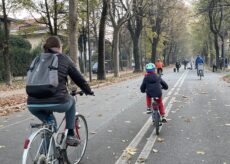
(153,84)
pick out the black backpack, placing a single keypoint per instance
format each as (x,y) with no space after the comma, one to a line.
(42,76)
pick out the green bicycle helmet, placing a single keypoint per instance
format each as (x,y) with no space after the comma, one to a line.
(150,67)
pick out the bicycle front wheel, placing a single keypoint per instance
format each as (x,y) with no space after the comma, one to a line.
(74,154)
(36,147)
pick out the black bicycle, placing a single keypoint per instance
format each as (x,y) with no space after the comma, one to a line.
(156,118)
(48,144)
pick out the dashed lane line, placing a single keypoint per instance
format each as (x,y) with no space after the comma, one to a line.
(152,139)
(146,126)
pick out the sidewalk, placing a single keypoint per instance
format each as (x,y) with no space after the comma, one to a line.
(4,94)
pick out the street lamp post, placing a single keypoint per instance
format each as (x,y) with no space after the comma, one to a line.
(89,50)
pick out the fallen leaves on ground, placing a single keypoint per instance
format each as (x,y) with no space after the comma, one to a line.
(14,86)
(131,150)
(188,120)
(200,152)
(2,146)
(128,153)
(99,115)
(12,100)
(93,132)
(7,111)
(161,140)
(155,151)
(203,92)
(141,160)
(227,79)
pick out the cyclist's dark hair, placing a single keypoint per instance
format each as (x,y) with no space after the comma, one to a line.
(52,42)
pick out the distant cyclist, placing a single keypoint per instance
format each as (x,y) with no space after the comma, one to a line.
(159,66)
(199,60)
(60,101)
(153,85)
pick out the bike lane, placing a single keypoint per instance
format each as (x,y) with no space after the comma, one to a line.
(198,128)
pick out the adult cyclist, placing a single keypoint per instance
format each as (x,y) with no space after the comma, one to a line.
(199,61)
(152,85)
(61,101)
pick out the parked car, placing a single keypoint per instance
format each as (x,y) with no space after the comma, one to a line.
(95,67)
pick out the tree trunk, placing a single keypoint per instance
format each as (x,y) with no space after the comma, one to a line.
(136,54)
(101,41)
(210,42)
(157,30)
(116,51)
(55,17)
(217,49)
(154,49)
(48,17)
(73,31)
(6,57)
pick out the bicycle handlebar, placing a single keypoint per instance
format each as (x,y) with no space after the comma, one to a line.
(75,92)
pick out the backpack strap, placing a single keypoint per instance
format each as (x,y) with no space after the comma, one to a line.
(53,65)
(35,61)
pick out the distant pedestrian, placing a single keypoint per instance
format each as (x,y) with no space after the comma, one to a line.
(178,65)
(214,66)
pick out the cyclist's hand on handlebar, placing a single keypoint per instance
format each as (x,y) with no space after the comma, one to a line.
(89,93)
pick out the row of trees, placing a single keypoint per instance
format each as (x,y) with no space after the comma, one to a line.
(211,30)
(141,30)
(156,29)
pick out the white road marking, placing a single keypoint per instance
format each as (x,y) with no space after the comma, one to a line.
(152,139)
(147,125)
(16,123)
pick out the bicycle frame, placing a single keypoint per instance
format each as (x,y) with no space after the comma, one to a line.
(49,143)
(52,152)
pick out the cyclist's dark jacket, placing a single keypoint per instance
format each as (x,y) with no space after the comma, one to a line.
(152,85)
(65,67)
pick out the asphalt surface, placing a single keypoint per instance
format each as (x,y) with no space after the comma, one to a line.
(197,130)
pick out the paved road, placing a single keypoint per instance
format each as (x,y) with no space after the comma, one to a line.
(197,132)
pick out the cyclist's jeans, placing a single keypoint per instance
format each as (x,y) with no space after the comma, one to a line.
(160,103)
(40,111)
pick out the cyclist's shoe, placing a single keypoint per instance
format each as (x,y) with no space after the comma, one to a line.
(148,111)
(163,119)
(72,140)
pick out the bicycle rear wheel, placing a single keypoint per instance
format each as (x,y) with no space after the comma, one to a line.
(74,154)
(200,73)
(36,147)
(157,121)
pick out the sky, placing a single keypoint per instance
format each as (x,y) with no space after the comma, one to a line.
(188,2)
(24,14)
